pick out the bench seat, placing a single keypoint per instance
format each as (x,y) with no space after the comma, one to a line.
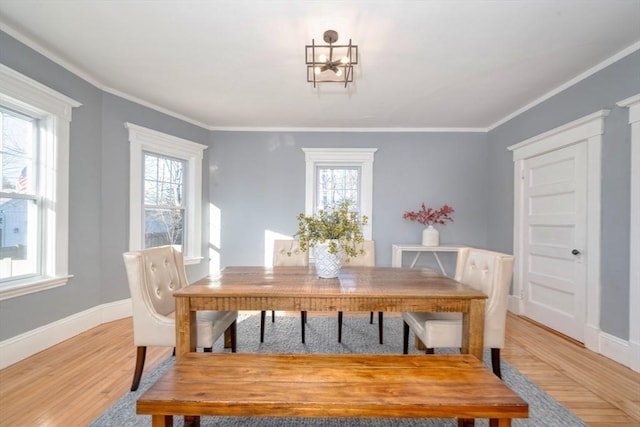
(331,385)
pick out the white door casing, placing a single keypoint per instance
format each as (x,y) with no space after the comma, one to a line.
(633,103)
(586,131)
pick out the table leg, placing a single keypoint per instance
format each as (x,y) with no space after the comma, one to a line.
(161,420)
(473,329)
(186,332)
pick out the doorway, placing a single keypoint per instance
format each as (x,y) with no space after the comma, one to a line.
(557,228)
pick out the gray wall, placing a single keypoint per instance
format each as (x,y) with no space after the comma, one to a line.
(600,91)
(99,193)
(256,179)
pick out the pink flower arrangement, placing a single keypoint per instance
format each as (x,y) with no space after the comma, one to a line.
(430,216)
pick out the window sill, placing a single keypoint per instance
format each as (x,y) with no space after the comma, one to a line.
(31,285)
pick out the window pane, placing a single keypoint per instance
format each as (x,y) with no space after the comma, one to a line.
(17,145)
(337,185)
(163,227)
(18,237)
(163,181)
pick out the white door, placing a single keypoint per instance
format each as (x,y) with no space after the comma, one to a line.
(554,270)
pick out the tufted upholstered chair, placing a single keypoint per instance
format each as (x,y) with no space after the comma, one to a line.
(487,271)
(368,259)
(154,274)
(281,258)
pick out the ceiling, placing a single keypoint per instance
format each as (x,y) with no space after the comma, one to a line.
(433,64)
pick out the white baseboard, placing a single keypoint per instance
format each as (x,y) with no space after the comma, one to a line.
(514,304)
(624,352)
(29,343)
(619,350)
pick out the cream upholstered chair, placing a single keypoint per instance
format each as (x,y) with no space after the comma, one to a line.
(154,274)
(281,258)
(367,259)
(487,271)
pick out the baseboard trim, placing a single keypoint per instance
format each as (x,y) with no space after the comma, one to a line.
(618,350)
(29,343)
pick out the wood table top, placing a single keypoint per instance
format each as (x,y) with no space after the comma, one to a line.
(352,281)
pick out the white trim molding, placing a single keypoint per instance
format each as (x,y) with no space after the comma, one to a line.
(633,103)
(29,343)
(587,129)
(143,139)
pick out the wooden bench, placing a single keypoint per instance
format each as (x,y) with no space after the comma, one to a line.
(331,385)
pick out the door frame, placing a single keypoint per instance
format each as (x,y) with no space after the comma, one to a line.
(589,130)
(633,103)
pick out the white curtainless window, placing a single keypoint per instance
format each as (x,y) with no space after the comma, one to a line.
(338,175)
(165,192)
(34,191)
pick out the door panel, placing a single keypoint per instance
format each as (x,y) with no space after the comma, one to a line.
(555,225)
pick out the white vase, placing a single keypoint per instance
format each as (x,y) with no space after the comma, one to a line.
(430,236)
(327,264)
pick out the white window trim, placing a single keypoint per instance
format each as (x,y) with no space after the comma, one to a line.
(359,157)
(143,139)
(54,110)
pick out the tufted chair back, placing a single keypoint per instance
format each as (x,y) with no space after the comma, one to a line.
(368,258)
(281,257)
(154,274)
(491,273)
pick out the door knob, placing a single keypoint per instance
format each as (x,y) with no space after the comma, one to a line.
(575,252)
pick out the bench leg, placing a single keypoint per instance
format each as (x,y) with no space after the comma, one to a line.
(466,422)
(162,420)
(501,422)
(380,326)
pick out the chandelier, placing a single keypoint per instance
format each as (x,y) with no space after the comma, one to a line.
(330,63)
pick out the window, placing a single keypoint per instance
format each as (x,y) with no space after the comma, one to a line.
(165,192)
(34,156)
(336,175)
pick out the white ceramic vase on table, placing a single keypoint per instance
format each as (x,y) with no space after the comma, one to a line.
(327,264)
(430,236)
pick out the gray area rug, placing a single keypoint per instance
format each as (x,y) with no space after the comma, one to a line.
(358,336)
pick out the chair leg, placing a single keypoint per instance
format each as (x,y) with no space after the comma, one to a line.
(405,339)
(371,317)
(273,316)
(303,320)
(233,333)
(429,351)
(208,349)
(340,326)
(263,315)
(380,326)
(141,354)
(495,362)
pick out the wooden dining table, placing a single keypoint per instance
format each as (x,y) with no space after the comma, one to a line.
(355,289)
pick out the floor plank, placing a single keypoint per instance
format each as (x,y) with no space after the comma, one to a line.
(73,382)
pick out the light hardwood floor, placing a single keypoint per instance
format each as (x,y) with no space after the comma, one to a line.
(73,382)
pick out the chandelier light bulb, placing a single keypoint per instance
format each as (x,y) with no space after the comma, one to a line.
(339,72)
(344,60)
(322,57)
(316,70)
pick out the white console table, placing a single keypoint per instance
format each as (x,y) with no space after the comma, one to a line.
(398,249)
